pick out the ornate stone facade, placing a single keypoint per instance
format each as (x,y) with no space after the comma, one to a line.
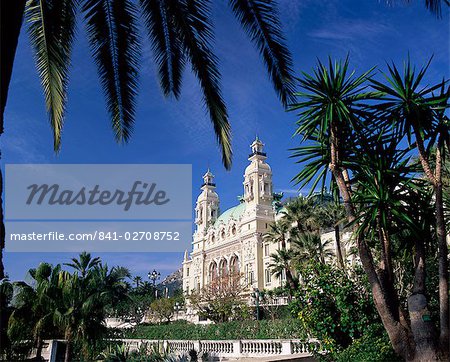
(232,240)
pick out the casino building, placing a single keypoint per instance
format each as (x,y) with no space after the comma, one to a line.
(232,241)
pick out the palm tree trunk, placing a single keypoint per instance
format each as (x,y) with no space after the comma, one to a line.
(443,258)
(401,337)
(321,256)
(39,348)
(436,180)
(385,248)
(11,13)
(423,330)
(287,271)
(337,236)
(67,352)
(290,279)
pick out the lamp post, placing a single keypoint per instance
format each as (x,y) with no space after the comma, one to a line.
(177,307)
(154,276)
(256,294)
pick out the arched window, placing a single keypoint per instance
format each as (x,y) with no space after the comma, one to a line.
(212,271)
(233,230)
(234,265)
(223,268)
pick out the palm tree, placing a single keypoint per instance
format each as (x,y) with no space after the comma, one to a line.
(180,32)
(419,112)
(278,233)
(332,112)
(309,246)
(281,263)
(86,295)
(84,264)
(36,305)
(332,214)
(137,279)
(359,142)
(301,213)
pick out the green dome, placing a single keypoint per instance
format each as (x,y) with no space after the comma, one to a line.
(232,213)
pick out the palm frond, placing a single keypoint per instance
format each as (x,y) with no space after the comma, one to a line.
(406,101)
(113,36)
(166,44)
(434,6)
(332,99)
(260,20)
(51,30)
(191,18)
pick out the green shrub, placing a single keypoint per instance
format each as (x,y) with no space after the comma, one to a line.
(332,307)
(373,346)
(248,329)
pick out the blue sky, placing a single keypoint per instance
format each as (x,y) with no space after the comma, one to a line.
(169,131)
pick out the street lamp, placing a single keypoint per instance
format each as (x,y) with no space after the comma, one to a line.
(256,294)
(177,307)
(154,276)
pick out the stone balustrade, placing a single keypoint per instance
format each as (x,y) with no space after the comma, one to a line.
(214,349)
(232,348)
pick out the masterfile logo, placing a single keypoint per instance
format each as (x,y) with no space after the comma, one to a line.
(98,207)
(98,192)
(141,193)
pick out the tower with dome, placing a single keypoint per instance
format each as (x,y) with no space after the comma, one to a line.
(232,241)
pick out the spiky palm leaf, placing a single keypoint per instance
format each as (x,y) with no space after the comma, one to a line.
(278,233)
(333,102)
(309,246)
(385,182)
(331,214)
(301,214)
(193,24)
(166,44)
(180,31)
(84,263)
(260,20)
(407,102)
(331,96)
(434,6)
(51,30)
(315,159)
(112,33)
(280,262)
